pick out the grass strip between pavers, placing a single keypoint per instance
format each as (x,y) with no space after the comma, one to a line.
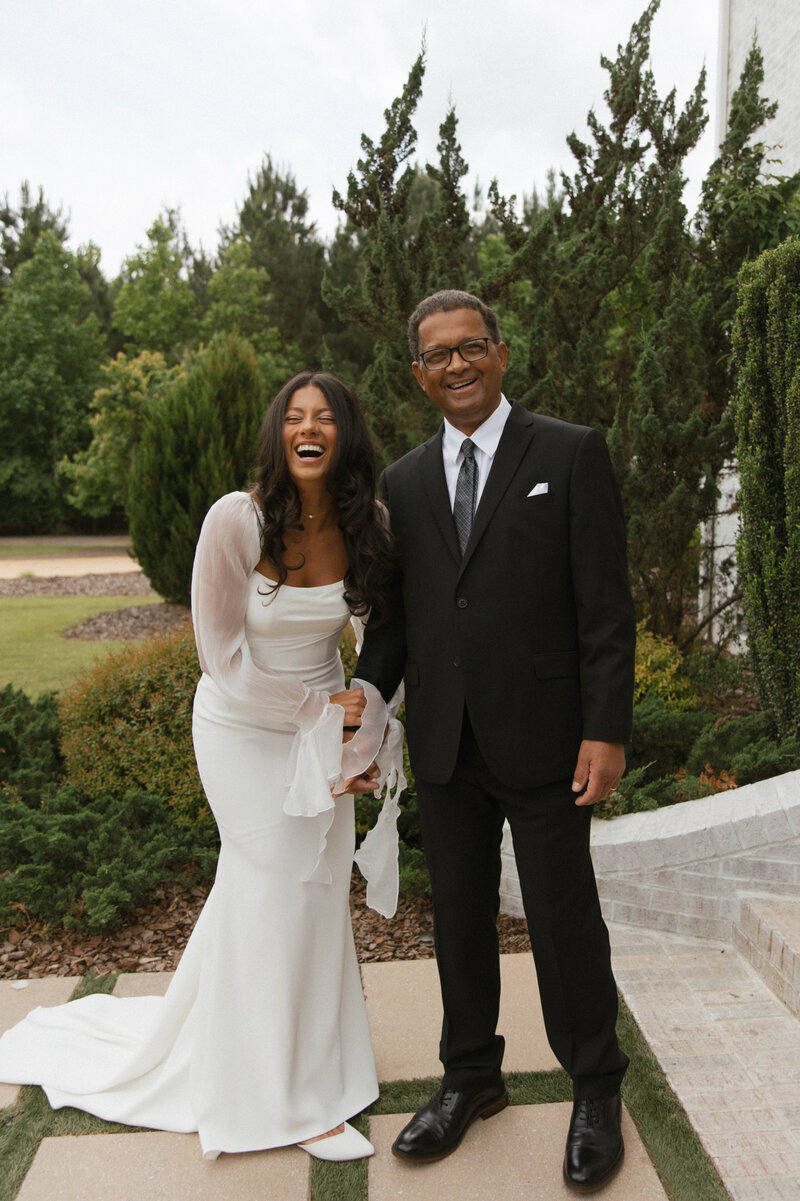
(31,1119)
(686,1171)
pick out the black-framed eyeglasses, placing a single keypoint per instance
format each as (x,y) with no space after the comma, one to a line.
(441,356)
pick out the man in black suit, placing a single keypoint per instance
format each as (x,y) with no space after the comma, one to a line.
(513,631)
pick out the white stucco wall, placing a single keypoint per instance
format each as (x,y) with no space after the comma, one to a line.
(776,24)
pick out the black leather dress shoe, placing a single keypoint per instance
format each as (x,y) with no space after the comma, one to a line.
(438,1128)
(594,1144)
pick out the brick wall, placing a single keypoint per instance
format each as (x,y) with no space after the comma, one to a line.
(688,868)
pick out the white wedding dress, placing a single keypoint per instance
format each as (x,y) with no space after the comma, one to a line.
(261,1039)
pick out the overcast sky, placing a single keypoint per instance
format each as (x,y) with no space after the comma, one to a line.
(118,108)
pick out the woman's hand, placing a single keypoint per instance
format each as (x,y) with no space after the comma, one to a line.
(366,782)
(353,701)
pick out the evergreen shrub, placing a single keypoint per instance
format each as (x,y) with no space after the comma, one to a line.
(659,672)
(85,862)
(663,736)
(197,444)
(745,749)
(127,726)
(30,759)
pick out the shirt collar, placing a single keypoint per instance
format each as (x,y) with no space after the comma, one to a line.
(486,436)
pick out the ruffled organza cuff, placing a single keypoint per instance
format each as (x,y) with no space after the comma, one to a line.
(318,768)
(378,856)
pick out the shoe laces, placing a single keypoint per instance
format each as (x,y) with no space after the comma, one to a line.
(588,1113)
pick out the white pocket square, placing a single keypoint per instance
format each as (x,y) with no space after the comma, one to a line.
(539,489)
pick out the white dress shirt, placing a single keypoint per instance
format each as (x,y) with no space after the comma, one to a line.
(486,439)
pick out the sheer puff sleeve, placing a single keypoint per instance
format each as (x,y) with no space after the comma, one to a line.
(228,550)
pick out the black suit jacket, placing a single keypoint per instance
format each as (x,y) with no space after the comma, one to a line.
(533,630)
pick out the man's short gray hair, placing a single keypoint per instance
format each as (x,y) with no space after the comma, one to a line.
(445,302)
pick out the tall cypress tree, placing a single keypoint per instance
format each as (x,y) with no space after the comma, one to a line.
(660,444)
(405,256)
(588,295)
(746,207)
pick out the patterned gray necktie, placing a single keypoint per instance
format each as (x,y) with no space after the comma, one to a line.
(466,493)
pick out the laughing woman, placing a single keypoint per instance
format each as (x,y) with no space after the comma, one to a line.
(261,1040)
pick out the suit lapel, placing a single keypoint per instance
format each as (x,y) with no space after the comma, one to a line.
(517,436)
(435,484)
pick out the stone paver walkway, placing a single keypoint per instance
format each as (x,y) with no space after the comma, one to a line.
(517,1153)
(729,1048)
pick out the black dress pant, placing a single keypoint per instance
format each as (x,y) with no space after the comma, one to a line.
(461,825)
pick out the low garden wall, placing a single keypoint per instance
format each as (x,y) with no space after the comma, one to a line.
(688,868)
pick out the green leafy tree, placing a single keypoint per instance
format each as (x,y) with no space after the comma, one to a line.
(100,473)
(101,293)
(21,228)
(51,347)
(157,307)
(240,300)
(766,350)
(273,223)
(197,443)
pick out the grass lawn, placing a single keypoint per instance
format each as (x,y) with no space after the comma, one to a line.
(64,546)
(67,551)
(34,654)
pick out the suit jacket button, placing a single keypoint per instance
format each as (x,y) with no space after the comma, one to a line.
(456,662)
(462,602)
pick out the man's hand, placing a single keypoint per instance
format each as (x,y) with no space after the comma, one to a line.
(598,770)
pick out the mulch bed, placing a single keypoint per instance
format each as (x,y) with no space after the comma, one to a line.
(154,937)
(122,583)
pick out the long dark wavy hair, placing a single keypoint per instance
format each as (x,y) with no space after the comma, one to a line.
(351,482)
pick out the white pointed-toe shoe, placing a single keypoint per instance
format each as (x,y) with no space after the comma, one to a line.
(338,1147)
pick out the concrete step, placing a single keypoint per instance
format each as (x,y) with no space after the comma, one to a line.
(767,934)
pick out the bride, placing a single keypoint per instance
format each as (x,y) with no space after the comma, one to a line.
(261,1039)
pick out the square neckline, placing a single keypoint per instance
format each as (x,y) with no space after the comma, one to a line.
(299,587)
